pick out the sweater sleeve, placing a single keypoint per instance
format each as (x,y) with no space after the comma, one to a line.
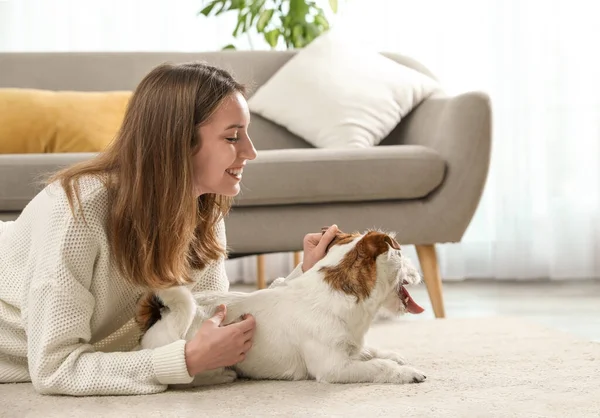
(57,319)
(297,272)
(282,281)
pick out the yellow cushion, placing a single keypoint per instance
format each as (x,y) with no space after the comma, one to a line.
(38,121)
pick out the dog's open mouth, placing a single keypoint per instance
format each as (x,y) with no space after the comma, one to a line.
(410,305)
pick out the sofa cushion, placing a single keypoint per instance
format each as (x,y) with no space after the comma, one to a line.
(336,94)
(304,176)
(24,175)
(44,121)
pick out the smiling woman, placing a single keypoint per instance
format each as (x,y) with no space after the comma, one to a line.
(147,213)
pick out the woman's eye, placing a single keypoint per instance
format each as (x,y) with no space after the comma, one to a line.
(232,140)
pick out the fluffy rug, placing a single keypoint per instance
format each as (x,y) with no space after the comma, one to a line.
(489,367)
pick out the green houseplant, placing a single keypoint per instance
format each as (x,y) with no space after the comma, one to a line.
(297,22)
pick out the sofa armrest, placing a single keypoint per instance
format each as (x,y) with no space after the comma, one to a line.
(443,123)
(460,129)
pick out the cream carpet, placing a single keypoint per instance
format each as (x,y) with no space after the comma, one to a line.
(487,367)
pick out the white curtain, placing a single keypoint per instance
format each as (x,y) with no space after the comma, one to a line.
(538,60)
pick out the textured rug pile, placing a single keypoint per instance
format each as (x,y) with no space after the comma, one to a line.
(488,367)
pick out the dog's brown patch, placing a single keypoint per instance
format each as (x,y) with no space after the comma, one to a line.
(356,274)
(148,312)
(340,238)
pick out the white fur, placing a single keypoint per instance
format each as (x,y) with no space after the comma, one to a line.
(305,329)
(176,322)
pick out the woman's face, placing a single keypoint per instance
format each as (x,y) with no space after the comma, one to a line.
(225,147)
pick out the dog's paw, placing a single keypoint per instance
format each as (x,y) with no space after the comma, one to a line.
(396,357)
(368,353)
(228,376)
(215,377)
(406,374)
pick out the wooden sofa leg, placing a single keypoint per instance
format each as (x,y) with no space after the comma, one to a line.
(297,258)
(432,277)
(261,280)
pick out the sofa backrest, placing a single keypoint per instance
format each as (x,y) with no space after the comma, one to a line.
(104,71)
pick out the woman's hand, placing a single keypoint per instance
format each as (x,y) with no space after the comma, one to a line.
(315,246)
(214,346)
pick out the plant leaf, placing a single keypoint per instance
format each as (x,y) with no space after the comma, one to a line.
(256,5)
(241,24)
(298,35)
(286,20)
(230,46)
(222,9)
(334,5)
(272,37)
(206,11)
(255,8)
(321,21)
(312,31)
(298,9)
(236,4)
(264,19)
(250,19)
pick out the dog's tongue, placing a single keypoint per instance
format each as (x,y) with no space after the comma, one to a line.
(412,306)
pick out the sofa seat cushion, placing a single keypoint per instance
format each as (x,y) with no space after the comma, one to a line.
(23,175)
(304,176)
(275,177)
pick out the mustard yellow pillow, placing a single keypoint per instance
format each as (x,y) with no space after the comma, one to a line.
(41,121)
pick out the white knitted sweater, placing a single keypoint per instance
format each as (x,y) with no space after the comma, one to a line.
(66,314)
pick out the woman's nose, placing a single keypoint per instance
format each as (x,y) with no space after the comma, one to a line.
(248,152)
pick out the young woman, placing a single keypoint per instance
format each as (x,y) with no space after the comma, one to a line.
(146,213)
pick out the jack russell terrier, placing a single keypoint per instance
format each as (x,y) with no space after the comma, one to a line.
(309,327)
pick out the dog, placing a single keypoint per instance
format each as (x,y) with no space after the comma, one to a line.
(311,327)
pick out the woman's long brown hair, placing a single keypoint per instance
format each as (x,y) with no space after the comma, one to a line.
(158,230)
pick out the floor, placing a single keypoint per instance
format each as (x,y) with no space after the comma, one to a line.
(572,306)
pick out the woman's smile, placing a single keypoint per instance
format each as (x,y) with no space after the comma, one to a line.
(236,173)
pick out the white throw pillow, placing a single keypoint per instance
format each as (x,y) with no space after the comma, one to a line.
(337,95)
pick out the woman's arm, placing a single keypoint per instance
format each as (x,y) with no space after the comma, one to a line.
(62,360)
(57,317)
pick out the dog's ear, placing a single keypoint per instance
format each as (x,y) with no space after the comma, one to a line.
(393,243)
(374,243)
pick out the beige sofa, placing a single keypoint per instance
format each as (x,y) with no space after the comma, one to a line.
(424,181)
